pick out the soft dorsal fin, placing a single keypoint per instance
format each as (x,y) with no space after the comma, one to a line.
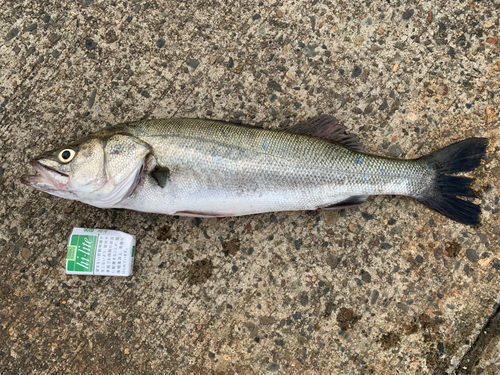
(328,127)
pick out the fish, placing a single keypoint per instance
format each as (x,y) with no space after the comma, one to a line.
(210,168)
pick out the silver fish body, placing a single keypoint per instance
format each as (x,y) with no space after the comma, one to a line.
(223,169)
(211,168)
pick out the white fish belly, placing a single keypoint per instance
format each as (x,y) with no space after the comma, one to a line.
(223,203)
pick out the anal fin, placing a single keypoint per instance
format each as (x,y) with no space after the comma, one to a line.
(200,214)
(353,201)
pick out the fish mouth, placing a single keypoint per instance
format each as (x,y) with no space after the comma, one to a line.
(46,176)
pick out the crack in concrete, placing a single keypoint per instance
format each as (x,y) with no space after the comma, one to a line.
(490,331)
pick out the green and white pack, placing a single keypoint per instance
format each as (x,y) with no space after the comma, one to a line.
(100,252)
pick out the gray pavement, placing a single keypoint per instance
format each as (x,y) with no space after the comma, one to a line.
(389,287)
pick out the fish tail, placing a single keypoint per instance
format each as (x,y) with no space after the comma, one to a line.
(441,196)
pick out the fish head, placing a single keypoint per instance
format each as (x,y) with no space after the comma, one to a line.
(100,170)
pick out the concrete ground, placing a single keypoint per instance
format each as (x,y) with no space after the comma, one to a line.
(389,287)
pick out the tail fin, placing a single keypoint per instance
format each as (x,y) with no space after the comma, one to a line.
(462,156)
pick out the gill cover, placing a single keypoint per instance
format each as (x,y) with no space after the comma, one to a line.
(123,161)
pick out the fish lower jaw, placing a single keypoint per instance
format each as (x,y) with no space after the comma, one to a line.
(41,182)
(45,177)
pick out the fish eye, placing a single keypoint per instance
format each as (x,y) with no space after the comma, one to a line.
(66,155)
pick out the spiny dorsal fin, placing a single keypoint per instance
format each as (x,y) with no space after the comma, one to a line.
(328,127)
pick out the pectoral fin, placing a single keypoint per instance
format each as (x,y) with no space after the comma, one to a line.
(160,174)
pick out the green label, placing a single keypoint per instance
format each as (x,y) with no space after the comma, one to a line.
(81,253)
(133,251)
